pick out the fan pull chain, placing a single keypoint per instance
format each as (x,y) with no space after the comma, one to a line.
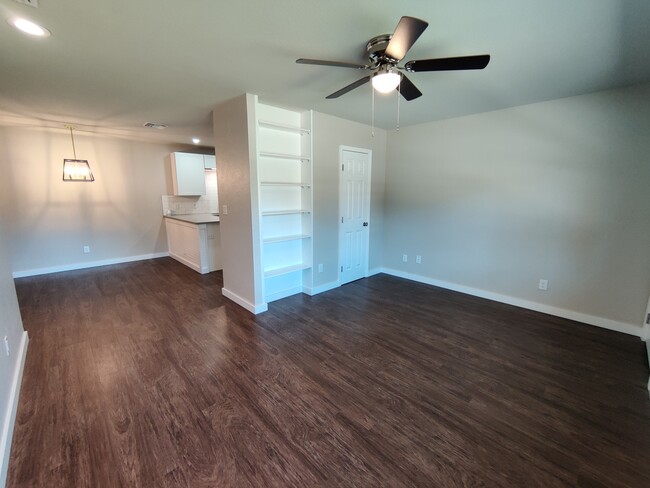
(399,95)
(372,127)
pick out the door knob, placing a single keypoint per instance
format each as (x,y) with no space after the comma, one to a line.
(365,224)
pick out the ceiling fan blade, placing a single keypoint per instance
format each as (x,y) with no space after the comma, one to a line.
(338,64)
(350,87)
(408,90)
(448,64)
(406,33)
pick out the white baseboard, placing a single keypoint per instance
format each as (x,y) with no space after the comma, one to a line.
(186,262)
(311,291)
(262,307)
(90,264)
(10,419)
(279,295)
(518,302)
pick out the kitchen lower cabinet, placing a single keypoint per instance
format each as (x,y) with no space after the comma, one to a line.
(197,246)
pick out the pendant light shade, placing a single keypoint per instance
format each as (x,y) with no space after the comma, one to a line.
(76,169)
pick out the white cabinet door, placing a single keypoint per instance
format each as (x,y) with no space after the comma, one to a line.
(209,162)
(188,173)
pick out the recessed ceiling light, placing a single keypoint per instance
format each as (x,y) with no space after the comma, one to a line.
(196,140)
(29,27)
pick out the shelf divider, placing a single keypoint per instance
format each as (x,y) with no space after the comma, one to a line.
(286,269)
(283,127)
(296,157)
(294,237)
(286,212)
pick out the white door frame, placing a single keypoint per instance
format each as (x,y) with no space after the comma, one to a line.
(368,200)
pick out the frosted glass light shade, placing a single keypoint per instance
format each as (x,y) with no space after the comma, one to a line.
(77,170)
(386,80)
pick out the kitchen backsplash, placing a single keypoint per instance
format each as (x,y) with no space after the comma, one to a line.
(208,203)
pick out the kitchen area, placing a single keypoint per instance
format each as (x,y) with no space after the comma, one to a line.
(191,212)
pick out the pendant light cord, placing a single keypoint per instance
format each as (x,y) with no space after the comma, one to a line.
(74,151)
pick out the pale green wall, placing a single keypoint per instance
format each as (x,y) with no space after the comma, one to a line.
(329,134)
(557,190)
(11,326)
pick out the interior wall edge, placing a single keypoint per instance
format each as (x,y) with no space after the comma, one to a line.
(10,420)
(315,290)
(90,264)
(602,322)
(251,307)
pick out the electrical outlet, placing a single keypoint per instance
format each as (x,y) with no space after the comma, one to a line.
(405,258)
(543,285)
(418,259)
(6,344)
(320,268)
(86,249)
(224,210)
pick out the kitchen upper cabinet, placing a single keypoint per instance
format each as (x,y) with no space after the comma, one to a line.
(188,173)
(209,161)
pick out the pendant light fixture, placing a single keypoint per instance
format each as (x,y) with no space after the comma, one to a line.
(76,169)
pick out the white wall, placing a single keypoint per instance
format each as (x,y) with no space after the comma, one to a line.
(49,221)
(329,133)
(232,122)
(557,190)
(11,326)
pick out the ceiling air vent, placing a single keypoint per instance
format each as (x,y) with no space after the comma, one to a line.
(152,125)
(31,3)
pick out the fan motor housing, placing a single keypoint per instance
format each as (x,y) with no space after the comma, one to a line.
(376,49)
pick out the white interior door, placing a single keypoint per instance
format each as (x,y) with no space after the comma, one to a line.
(354,205)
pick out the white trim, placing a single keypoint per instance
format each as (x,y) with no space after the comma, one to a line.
(518,302)
(186,262)
(311,291)
(262,307)
(10,419)
(278,295)
(90,264)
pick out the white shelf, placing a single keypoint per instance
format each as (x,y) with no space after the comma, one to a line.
(283,156)
(285,270)
(294,237)
(286,212)
(283,127)
(285,183)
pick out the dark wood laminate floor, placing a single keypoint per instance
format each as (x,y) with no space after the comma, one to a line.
(143,375)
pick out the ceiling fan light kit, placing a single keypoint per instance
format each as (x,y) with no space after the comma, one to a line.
(386,79)
(386,51)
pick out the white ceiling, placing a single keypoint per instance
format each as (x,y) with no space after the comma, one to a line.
(113,65)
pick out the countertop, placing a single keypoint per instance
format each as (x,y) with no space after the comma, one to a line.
(203,218)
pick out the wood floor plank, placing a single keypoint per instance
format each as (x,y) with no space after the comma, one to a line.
(143,375)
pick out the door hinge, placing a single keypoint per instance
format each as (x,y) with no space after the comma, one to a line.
(343,167)
(647,319)
(341,269)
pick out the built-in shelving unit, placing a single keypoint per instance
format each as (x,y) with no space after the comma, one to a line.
(284,174)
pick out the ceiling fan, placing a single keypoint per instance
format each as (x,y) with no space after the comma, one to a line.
(386,51)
